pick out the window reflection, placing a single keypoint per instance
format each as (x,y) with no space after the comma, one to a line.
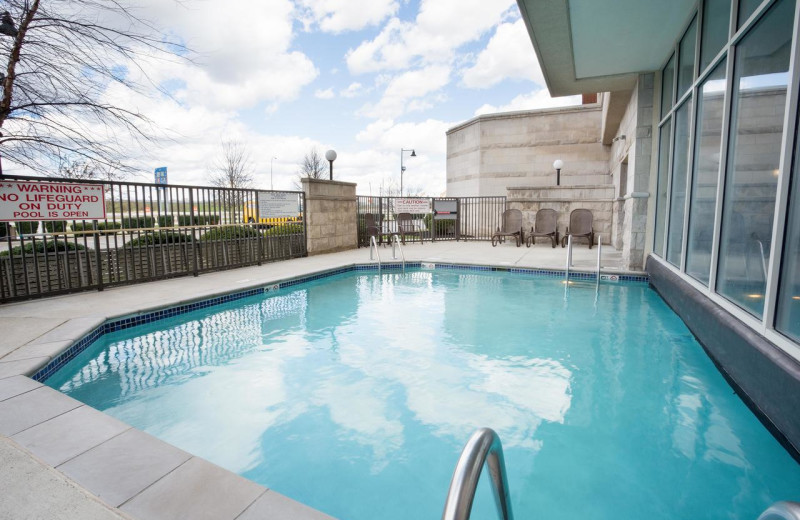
(759,98)
(716,18)
(667,79)
(677,201)
(787,319)
(686,63)
(708,136)
(661,189)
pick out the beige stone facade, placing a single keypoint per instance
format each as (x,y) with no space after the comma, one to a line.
(330,215)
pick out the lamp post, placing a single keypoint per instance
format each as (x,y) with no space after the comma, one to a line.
(558,164)
(403,168)
(331,156)
(270,173)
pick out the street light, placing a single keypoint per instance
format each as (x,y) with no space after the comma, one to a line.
(558,164)
(403,168)
(331,156)
(270,173)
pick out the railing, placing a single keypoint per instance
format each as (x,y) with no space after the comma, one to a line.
(599,254)
(150,232)
(569,259)
(373,246)
(476,218)
(782,511)
(395,244)
(483,447)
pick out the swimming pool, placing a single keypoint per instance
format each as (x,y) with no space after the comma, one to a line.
(356,393)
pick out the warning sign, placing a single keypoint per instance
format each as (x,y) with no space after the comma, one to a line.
(34,200)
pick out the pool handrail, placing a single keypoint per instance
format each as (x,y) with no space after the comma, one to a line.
(483,447)
(395,243)
(781,511)
(374,244)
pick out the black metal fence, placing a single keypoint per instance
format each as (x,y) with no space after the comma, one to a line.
(150,232)
(475,218)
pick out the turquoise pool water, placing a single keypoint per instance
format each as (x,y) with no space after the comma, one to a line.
(355,394)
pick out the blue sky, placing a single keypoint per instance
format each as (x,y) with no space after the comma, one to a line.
(363,78)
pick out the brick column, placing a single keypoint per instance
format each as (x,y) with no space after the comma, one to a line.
(330,215)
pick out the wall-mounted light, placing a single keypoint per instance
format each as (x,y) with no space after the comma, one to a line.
(558,164)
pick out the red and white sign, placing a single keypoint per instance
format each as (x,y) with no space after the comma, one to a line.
(413,206)
(34,200)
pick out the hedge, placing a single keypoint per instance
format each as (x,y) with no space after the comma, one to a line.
(159,237)
(101,226)
(3,229)
(166,221)
(26,228)
(230,232)
(284,229)
(198,220)
(55,226)
(52,246)
(443,227)
(138,222)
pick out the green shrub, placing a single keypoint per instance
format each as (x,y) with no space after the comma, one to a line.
(3,229)
(55,226)
(166,221)
(284,229)
(26,228)
(138,222)
(198,220)
(230,232)
(52,246)
(159,237)
(443,227)
(101,226)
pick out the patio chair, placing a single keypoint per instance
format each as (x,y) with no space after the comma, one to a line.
(373,228)
(580,226)
(546,225)
(406,226)
(512,227)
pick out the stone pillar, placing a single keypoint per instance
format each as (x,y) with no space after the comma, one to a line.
(330,214)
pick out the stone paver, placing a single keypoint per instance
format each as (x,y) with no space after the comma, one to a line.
(16,385)
(70,434)
(198,490)
(20,330)
(33,491)
(122,467)
(21,366)
(32,408)
(274,506)
(35,350)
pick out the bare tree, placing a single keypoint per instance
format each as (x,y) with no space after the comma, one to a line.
(312,166)
(233,169)
(86,169)
(62,58)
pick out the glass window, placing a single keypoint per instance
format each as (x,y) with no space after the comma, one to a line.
(686,58)
(757,111)
(746,8)
(677,199)
(661,189)
(707,141)
(716,19)
(667,78)
(787,318)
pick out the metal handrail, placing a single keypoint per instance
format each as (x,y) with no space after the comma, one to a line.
(599,253)
(763,257)
(374,244)
(569,258)
(395,243)
(781,511)
(483,447)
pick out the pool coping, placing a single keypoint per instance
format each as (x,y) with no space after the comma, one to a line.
(168,495)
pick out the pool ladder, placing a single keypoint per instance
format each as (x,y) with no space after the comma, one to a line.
(482,448)
(782,511)
(569,257)
(373,246)
(395,244)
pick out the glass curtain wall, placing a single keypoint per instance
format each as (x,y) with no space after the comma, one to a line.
(739,89)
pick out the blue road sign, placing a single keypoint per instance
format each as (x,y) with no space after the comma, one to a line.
(161,175)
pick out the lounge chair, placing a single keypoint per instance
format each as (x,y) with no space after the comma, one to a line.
(512,227)
(580,226)
(546,225)
(373,228)
(406,226)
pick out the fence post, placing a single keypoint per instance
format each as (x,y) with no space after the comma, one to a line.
(458,219)
(191,230)
(257,211)
(97,256)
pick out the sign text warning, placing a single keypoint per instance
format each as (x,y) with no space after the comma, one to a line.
(33,200)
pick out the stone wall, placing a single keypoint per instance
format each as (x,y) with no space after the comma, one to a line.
(330,213)
(487,154)
(598,199)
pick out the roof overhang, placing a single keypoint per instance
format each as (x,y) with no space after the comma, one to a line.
(588,46)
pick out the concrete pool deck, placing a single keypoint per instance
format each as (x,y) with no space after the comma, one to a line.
(62,459)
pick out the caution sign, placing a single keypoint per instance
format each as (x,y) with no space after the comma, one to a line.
(34,200)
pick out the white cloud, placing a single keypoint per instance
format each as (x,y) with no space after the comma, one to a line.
(440,27)
(536,99)
(355,89)
(405,87)
(508,54)
(324,94)
(336,16)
